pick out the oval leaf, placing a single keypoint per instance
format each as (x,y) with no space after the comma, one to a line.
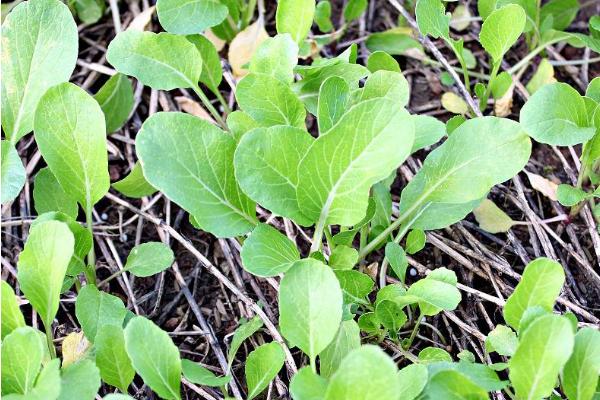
(149,258)
(262,365)
(267,252)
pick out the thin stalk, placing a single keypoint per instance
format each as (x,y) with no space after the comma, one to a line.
(90,271)
(111,277)
(413,334)
(525,60)
(329,239)
(488,88)
(223,102)
(50,340)
(213,111)
(248,13)
(317,237)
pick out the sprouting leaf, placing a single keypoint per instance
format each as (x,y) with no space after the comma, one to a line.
(502,340)
(243,46)
(270,101)
(13,172)
(310,306)
(42,267)
(491,218)
(266,167)
(307,385)
(543,350)
(200,375)
(79,160)
(480,153)
(428,131)
(39,50)
(354,9)
(47,384)
(397,259)
(277,57)
(569,195)
(187,17)
(155,358)
(295,17)
(556,114)
(116,101)
(212,72)
(501,29)
(22,352)
(540,285)
(380,60)
(79,381)
(415,241)
(262,365)
(11,318)
(453,103)
(346,339)
(163,61)
(191,162)
(370,141)
(242,333)
(74,348)
(334,96)
(343,257)
(49,196)
(267,252)
(134,184)
(323,16)
(367,373)
(111,357)
(149,258)
(412,381)
(95,309)
(580,374)
(436,292)
(544,74)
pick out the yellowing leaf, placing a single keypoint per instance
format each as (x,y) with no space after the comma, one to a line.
(244,45)
(215,40)
(460,18)
(453,103)
(74,348)
(191,107)
(502,106)
(142,20)
(491,218)
(543,185)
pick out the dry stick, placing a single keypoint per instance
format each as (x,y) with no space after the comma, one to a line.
(291,364)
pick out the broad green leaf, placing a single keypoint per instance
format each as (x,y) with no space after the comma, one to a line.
(134,184)
(428,131)
(22,352)
(544,74)
(47,385)
(262,365)
(13,172)
(437,291)
(80,381)
(243,332)
(479,154)
(95,309)
(269,101)
(155,358)
(343,257)
(354,9)
(491,218)
(501,29)
(310,306)
(355,285)
(266,168)
(431,355)
(346,339)
(49,196)
(39,50)
(11,318)
(369,324)
(501,85)
(200,375)
(540,285)
(116,101)
(556,114)
(453,385)
(486,7)
(42,267)
(543,350)
(277,57)
(479,374)
(111,357)
(412,381)
(307,385)
(397,259)
(369,142)
(580,374)
(388,84)
(391,316)
(163,61)
(415,241)
(295,17)
(395,42)
(191,162)
(149,258)
(569,195)
(240,123)
(71,135)
(432,19)
(380,60)
(267,252)
(212,73)
(334,96)
(502,340)
(367,373)
(88,11)
(190,16)
(561,13)
(323,16)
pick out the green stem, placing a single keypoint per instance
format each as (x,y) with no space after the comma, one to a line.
(329,239)
(223,102)
(413,334)
(213,111)
(525,60)
(488,88)
(313,365)
(248,13)
(90,271)
(49,340)
(317,237)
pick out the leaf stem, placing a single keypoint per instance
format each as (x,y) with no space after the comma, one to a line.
(488,89)
(413,334)
(90,271)
(525,60)
(50,339)
(213,111)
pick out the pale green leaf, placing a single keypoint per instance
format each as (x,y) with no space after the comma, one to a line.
(437,291)
(13,172)
(431,355)
(277,57)
(310,306)
(116,100)
(561,12)
(502,340)
(428,131)
(544,74)
(501,29)
(71,135)
(454,103)
(569,196)
(154,357)
(267,252)
(580,374)
(307,385)
(212,72)
(334,96)
(380,60)
(343,257)
(42,267)
(88,11)
(432,19)
(415,241)
(49,196)
(39,50)
(388,84)
(190,16)
(134,184)
(412,381)
(354,9)
(491,218)
(323,16)
(47,385)
(391,316)
(191,162)
(243,332)
(22,352)
(95,309)
(240,123)
(295,17)
(396,256)
(543,350)
(200,375)
(346,339)
(266,167)
(79,381)
(453,385)
(593,89)
(355,285)
(394,42)
(163,61)
(12,317)
(367,373)
(149,258)
(262,365)
(111,357)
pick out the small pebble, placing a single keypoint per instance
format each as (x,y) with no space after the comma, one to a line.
(412,272)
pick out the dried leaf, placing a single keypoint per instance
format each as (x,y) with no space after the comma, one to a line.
(491,218)
(543,185)
(142,20)
(244,45)
(502,106)
(215,40)
(191,107)
(74,348)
